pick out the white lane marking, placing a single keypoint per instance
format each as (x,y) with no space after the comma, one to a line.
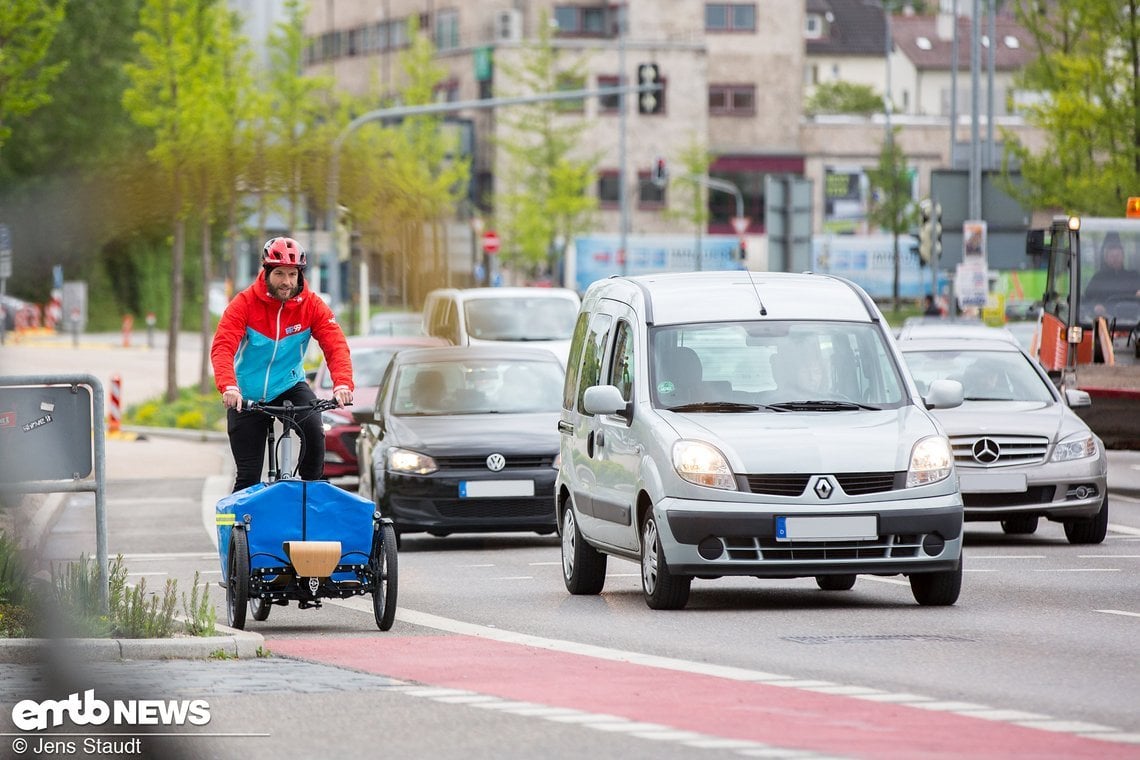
(1125,529)
(1007,556)
(1078,570)
(153,572)
(512,578)
(1119,612)
(156,556)
(545,564)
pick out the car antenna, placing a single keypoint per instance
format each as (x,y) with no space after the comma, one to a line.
(759,300)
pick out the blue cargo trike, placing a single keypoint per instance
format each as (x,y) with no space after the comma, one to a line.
(291,540)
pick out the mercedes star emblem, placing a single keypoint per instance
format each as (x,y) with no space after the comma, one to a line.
(986,451)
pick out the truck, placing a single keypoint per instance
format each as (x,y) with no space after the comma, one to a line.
(1091,343)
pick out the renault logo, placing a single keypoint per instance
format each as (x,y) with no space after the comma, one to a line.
(986,451)
(496,462)
(823,488)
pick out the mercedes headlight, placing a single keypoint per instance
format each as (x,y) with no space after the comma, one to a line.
(703,465)
(930,462)
(1079,446)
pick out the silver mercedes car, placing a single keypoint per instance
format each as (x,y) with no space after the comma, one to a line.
(1020,451)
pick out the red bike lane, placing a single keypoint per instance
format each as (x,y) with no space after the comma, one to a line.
(792,718)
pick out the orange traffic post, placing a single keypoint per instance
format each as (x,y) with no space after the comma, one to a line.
(128,323)
(115,408)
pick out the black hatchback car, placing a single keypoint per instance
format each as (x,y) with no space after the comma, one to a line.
(464,439)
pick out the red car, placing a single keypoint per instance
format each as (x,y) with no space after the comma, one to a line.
(370,357)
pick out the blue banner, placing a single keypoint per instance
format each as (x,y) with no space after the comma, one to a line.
(597,255)
(868,261)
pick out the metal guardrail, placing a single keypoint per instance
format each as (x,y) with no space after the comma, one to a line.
(52,440)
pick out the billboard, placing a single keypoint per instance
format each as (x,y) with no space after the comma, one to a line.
(868,261)
(597,257)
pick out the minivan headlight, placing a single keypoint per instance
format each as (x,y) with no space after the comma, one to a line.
(930,462)
(703,465)
(410,462)
(1079,446)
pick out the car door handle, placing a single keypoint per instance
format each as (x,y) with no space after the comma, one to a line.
(600,438)
(565,427)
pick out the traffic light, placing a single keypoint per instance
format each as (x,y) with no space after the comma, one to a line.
(660,174)
(649,101)
(925,230)
(936,233)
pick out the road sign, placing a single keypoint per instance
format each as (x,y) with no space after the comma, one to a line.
(740,224)
(490,242)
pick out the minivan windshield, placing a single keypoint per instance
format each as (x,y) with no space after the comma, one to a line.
(773,365)
(520,318)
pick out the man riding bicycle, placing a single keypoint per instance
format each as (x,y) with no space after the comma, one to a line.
(258,353)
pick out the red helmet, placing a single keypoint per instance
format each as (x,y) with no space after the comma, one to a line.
(283,252)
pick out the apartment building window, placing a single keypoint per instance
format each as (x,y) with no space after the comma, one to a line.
(447,30)
(446,92)
(730,17)
(732,100)
(649,194)
(813,26)
(586,20)
(609,189)
(608,103)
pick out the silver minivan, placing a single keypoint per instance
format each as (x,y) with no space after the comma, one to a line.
(751,424)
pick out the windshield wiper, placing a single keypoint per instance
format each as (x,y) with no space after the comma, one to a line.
(820,406)
(984,398)
(715,406)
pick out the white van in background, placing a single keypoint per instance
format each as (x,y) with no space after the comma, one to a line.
(535,316)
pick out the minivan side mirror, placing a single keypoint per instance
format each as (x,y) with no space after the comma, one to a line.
(944,394)
(606,399)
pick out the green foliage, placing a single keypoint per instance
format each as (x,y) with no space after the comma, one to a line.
(199,616)
(1087,74)
(14,581)
(191,410)
(544,193)
(27,28)
(843,97)
(892,205)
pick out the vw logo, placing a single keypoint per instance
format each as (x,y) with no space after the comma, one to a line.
(986,451)
(823,488)
(496,462)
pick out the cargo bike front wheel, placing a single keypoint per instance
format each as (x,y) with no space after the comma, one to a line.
(237,579)
(385,575)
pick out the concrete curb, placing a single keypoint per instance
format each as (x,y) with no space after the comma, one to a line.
(229,644)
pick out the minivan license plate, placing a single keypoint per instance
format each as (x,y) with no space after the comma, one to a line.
(475,489)
(830,528)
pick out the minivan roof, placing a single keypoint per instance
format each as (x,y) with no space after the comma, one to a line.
(721,296)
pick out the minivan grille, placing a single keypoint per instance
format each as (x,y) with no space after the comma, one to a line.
(755,549)
(852,483)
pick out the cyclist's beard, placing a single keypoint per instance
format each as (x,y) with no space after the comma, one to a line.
(285,292)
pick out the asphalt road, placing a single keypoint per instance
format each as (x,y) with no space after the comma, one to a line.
(490,657)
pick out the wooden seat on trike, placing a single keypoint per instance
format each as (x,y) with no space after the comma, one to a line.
(313,559)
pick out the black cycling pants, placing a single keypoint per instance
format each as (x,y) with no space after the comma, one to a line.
(248,431)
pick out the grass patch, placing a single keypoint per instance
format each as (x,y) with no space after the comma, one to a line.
(68,603)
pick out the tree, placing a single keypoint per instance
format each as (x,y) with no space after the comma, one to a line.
(843,98)
(696,160)
(166,96)
(544,198)
(892,203)
(27,28)
(1087,72)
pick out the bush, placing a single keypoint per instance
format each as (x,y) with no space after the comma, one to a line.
(191,411)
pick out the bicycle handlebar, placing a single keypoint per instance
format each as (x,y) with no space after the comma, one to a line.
(317,405)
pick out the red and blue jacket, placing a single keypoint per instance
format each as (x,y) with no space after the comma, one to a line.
(259,347)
